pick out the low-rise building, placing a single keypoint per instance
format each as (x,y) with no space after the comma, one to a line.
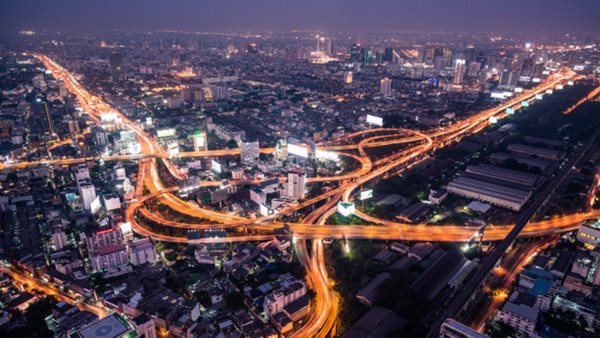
(109,257)
(141,251)
(275,302)
(589,234)
(520,317)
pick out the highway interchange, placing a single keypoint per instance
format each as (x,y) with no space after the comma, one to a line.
(416,146)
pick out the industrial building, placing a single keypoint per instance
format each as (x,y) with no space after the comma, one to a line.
(453,329)
(495,194)
(502,174)
(531,162)
(529,151)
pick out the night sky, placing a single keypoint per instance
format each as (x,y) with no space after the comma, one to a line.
(346,15)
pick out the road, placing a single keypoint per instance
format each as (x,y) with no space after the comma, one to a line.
(502,276)
(416,145)
(50,290)
(475,280)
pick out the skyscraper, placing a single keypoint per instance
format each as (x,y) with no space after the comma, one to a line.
(116,63)
(386,87)
(296,184)
(100,136)
(459,71)
(87,193)
(366,56)
(355,52)
(249,152)
(429,56)
(420,54)
(39,82)
(388,54)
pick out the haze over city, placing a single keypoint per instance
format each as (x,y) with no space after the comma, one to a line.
(466,16)
(300,168)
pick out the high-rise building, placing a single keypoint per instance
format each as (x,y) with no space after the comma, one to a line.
(249,152)
(420,54)
(100,136)
(116,63)
(296,184)
(328,49)
(102,238)
(199,139)
(388,54)
(508,78)
(386,87)
(366,56)
(474,68)
(447,55)
(59,238)
(73,127)
(348,78)
(87,193)
(355,52)
(39,82)
(62,89)
(429,55)
(459,71)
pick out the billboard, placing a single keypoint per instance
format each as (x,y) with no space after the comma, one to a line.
(518,89)
(375,120)
(165,132)
(346,209)
(559,87)
(493,119)
(539,96)
(326,155)
(365,194)
(510,111)
(524,104)
(216,167)
(297,150)
(497,95)
(549,91)
(570,83)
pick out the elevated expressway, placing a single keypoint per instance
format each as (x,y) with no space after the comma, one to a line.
(418,145)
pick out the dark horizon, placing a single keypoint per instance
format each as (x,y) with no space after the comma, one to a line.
(508,16)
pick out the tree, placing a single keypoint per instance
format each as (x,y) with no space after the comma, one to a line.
(234,300)
(232,144)
(501,330)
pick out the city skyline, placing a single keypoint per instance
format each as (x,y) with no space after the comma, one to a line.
(309,169)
